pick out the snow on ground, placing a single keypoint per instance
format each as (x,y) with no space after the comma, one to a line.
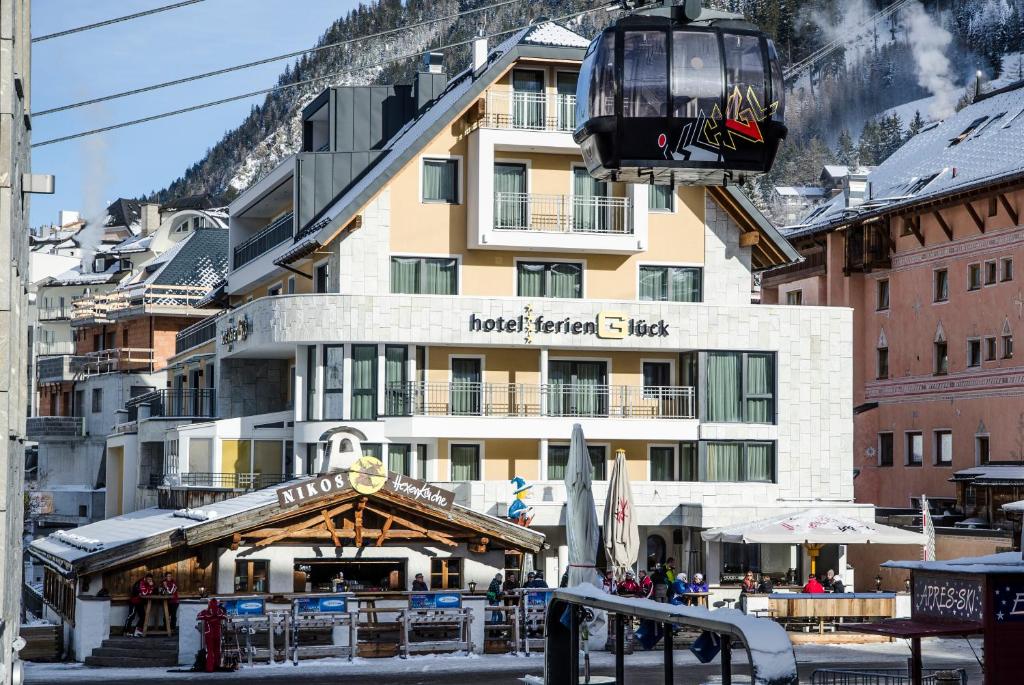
(945,651)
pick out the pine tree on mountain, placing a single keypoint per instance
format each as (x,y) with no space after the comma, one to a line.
(846,153)
(890,136)
(916,124)
(868,148)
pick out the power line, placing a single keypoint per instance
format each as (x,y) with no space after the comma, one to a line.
(288,86)
(116,20)
(267,60)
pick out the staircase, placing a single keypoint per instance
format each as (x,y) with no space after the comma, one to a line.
(135,652)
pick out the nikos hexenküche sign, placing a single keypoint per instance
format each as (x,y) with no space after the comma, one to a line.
(607,325)
(366,477)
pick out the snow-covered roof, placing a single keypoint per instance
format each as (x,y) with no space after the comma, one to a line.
(550,33)
(800,191)
(968,150)
(991,474)
(1003,562)
(75,276)
(842,170)
(1014,506)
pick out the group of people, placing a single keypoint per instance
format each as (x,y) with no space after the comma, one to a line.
(662,584)
(503,589)
(831,583)
(146,587)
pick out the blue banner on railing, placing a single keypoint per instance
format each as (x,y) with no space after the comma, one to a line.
(435,600)
(332,604)
(246,606)
(537,598)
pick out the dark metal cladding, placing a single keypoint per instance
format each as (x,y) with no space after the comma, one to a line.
(666,101)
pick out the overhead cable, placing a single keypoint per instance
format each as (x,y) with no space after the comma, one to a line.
(116,20)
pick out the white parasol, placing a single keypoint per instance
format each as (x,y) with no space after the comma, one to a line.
(581,529)
(621,534)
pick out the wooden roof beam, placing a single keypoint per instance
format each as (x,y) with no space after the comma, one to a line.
(314,520)
(384,530)
(978,221)
(946,228)
(1010,209)
(913,224)
(433,535)
(358,520)
(329,525)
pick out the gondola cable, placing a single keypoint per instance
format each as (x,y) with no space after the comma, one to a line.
(116,20)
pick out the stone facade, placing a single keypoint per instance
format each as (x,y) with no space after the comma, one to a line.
(246,387)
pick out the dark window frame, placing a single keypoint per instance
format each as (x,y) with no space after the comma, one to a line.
(886,448)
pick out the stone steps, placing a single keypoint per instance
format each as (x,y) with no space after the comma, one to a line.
(135,652)
(130,662)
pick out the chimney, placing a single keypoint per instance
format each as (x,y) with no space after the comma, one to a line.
(431,80)
(479,54)
(150,218)
(855,187)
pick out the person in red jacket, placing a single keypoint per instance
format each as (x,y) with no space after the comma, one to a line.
(141,588)
(628,587)
(169,587)
(646,584)
(212,618)
(813,587)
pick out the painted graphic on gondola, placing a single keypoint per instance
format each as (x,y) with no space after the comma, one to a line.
(704,138)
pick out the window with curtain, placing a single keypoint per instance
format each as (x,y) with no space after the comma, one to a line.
(465,462)
(671,283)
(590,213)
(396,367)
(577,388)
(740,462)
(421,461)
(466,388)
(510,199)
(424,275)
(688,462)
(662,463)
(660,198)
(364,382)
(566,88)
(334,368)
(528,99)
(372,449)
(740,387)
(310,382)
(558,460)
(440,180)
(549,279)
(399,459)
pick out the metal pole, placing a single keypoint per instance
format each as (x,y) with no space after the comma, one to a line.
(915,661)
(620,649)
(574,639)
(667,629)
(726,660)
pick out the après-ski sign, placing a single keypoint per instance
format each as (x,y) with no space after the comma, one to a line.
(326,485)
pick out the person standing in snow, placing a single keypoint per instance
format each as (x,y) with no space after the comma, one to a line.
(212,620)
(169,588)
(494,597)
(660,583)
(140,589)
(813,587)
(646,585)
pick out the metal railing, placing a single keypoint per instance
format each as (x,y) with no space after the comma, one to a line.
(54,313)
(49,348)
(101,307)
(270,237)
(233,481)
(875,676)
(54,427)
(178,403)
(117,359)
(419,398)
(66,367)
(196,334)
(562,213)
(511,109)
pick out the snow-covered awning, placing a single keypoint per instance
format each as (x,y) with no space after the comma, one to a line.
(813,526)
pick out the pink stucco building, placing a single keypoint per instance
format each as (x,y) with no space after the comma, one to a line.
(925,249)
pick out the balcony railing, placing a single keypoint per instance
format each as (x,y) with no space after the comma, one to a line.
(54,313)
(63,368)
(530,111)
(55,427)
(270,237)
(562,213)
(118,359)
(553,399)
(101,307)
(49,348)
(196,334)
(176,403)
(232,481)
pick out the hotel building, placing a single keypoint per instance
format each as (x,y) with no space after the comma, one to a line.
(436,270)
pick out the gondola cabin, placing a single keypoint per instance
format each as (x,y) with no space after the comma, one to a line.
(680,97)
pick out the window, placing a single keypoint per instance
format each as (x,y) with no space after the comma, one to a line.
(400,459)
(981,449)
(990,273)
(990,348)
(1007,263)
(424,275)
(511,203)
(795,297)
(446,574)
(740,462)
(741,387)
(1007,347)
(973,276)
(941,358)
(645,59)
(883,362)
(251,576)
(943,448)
(274,290)
(941,290)
(670,283)
(591,213)
(915,449)
(441,180)
(657,375)
(528,99)
(967,131)
(97,400)
(291,285)
(885,449)
(321,277)
(883,295)
(549,279)
(465,462)
(311,370)
(668,465)
(364,382)
(993,208)
(396,375)
(974,352)
(660,198)
(334,369)
(558,461)
(421,461)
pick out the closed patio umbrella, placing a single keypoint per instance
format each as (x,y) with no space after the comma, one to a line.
(621,534)
(581,529)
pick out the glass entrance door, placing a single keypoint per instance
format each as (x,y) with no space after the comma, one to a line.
(467,386)
(589,204)
(510,199)
(364,382)
(577,388)
(527,99)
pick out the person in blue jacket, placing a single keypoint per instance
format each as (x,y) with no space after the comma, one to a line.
(698,584)
(678,589)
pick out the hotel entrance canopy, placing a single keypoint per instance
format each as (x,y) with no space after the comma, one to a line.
(813,527)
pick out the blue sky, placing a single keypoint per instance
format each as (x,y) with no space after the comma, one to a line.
(196,38)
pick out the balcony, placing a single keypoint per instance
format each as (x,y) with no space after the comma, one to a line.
(550,400)
(59,369)
(136,359)
(176,403)
(270,237)
(562,213)
(52,348)
(526,111)
(54,313)
(195,335)
(228,481)
(104,307)
(41,428)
